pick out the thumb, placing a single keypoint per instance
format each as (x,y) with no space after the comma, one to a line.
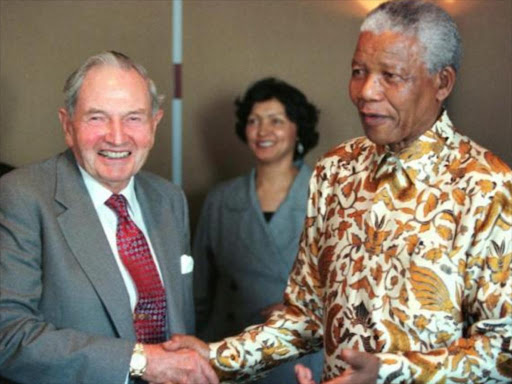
(179,341)
(303,374)
(354,358)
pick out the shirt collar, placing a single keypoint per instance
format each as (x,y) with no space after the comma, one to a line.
(421,157)
(99,193)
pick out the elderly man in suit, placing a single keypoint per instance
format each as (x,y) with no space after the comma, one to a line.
(93,265)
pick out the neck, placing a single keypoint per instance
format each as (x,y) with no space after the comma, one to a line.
(397,147)
(276,175)
(273,182)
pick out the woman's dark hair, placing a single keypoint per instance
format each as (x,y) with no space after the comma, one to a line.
(298,110)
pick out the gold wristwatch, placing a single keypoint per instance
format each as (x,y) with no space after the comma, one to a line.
(138,362)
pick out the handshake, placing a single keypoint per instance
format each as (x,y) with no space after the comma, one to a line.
(181,360)
(185,360)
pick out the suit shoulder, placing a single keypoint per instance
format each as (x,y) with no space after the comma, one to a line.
(36,178)
(149,179)
(228,187)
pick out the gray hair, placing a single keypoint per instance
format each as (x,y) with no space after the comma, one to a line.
(111,58)
(430,24)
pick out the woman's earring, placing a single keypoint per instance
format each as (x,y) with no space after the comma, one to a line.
(300,147)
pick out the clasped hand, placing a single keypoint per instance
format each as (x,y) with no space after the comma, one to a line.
(181,360)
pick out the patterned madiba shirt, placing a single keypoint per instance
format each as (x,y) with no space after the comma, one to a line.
(406,256)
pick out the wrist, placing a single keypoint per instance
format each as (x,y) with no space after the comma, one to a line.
(138,362)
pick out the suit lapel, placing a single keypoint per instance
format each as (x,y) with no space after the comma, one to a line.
(84,234)
(161,226)
(253,232)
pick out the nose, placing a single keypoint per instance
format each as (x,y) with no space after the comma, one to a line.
(263,127)
(371,88)
(115,134)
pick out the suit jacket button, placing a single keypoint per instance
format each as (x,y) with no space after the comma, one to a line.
(230,316)
(233,285)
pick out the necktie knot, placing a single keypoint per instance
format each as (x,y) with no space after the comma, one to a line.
(117,203)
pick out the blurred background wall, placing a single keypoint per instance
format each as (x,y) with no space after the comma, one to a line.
(228,44)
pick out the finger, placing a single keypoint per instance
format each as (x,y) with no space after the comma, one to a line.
(303,374)
(208,372)
(175,342)
(179,341)
(356,360)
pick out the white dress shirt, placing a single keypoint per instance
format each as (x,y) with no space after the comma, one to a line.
(108,218)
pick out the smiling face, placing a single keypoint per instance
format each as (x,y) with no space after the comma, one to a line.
(271,136)
(395,95)
(112,128)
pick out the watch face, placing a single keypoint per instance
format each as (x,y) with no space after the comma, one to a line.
(138,361)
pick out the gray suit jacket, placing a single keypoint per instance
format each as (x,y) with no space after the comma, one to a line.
(65,315)
(242,262)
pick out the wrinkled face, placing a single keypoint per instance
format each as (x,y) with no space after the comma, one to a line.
(271,136)
(112,128)
(392,89)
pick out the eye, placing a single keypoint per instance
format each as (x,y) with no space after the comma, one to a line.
(357,72)
(391,77)
(96,118)
(251,121)
(135,119)
(276,121)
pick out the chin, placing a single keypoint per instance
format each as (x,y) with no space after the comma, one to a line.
(377,138)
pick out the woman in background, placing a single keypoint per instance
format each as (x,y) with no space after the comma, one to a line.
(248,232)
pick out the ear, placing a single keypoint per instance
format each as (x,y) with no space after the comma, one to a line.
(445,82)
(67,127)
(156,118)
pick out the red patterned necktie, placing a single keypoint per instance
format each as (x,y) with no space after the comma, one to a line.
(150,310)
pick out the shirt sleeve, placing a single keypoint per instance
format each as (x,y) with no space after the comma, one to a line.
(289,333)
(486,353)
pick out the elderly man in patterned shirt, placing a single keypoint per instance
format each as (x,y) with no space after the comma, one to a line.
(404,266)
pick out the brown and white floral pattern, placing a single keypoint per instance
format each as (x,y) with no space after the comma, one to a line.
(407,256)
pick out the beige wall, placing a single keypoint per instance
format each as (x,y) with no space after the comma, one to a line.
(227,45)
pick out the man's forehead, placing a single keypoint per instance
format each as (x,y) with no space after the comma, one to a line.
(387,45)
(112,80)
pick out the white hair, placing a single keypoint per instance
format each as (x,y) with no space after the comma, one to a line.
(430,24)
(110,58)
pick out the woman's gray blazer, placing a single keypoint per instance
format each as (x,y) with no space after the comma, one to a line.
(242,262)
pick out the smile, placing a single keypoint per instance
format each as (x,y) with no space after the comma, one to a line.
(114,155)
(265,144)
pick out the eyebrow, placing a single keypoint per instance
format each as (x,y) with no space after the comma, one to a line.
(270,114)
(93,110)
(137,111)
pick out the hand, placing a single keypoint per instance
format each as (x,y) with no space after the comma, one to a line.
(363,369)
(267,311)
(179,341)
(303,375)
(178,367)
